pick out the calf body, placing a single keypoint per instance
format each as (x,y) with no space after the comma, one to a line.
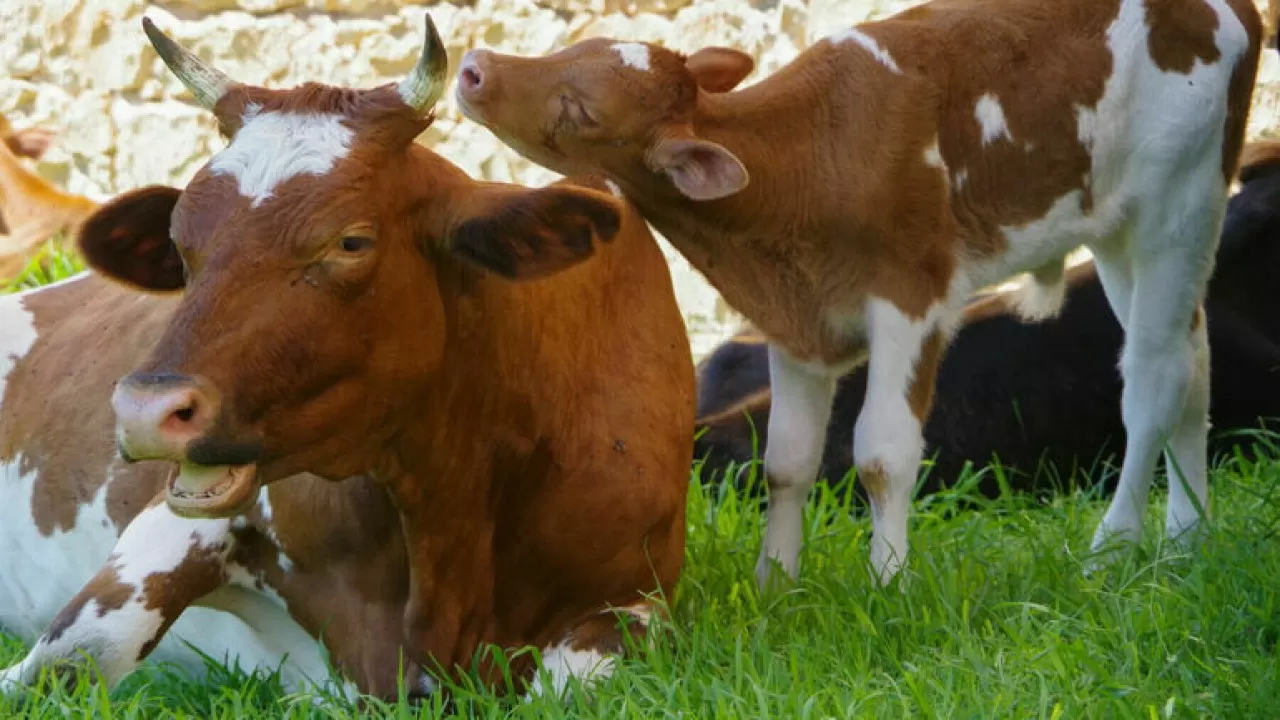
(353,304)
(849,204)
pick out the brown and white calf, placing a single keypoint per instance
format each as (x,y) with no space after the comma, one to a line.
(353,304)
(850,203)
(32,209)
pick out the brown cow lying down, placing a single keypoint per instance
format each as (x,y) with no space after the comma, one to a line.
(338,300)
(849,204)
(32,209)
(1048,398)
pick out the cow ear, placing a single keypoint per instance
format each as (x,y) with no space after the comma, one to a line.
(700,169)
(719,69)
(524,234)
(128,240)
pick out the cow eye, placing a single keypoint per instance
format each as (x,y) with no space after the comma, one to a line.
(355,243)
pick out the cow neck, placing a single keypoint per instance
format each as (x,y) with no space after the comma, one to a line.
(460,471)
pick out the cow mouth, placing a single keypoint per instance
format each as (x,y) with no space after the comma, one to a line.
(201,491)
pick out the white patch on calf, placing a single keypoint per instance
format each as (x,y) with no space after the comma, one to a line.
(867,43)
(991,118)
(157,541)
(273,147)
(633,54)
(933,157)
(614,190)
(561,663)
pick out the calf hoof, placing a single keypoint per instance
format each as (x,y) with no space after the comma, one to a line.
(773,574)
(1110,543)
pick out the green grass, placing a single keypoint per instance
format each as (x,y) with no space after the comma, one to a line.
(50,264)
(992,619)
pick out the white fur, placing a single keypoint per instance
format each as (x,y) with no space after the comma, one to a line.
(933,157)
(867,43)
(273,147)
(991,117)
(561,663)
(887,435)
(614,190)
(798,417)
(634,55)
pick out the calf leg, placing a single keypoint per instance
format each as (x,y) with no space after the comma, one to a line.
(588,652)
(888,439)
(1164,363)
(798,417)
(160,565)
(1186,461)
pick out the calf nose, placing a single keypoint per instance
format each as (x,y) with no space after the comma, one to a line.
(157,416)
(471,73)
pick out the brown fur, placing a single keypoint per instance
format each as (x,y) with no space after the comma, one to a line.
(536,449)
(1240,93)
(105,589)
(1180,33)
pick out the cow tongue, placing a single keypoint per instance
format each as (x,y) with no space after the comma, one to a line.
(211,491)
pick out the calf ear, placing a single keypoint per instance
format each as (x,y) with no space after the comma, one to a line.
(128,240)
(699,169)
(32,143)
(524,234)
(719,69)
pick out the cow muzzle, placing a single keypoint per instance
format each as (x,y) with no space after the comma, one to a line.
(171,417)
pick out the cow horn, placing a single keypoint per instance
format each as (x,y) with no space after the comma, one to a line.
(206,83)
(425,84)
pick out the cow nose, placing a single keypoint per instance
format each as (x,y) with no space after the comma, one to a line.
(157,416)
(471,72)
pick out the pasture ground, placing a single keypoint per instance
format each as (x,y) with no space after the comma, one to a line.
(993,618)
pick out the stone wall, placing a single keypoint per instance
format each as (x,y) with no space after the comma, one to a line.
(85,67)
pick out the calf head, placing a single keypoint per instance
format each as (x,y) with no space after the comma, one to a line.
(625,109)
(310,255)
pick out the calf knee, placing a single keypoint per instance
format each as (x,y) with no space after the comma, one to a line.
(887,448)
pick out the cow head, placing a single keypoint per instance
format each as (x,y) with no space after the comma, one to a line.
(622,108)
(310,255)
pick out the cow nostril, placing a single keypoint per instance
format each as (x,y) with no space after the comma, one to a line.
(185,414)
(470,78)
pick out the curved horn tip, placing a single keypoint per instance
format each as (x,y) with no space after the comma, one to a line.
(426,82)
(206,83)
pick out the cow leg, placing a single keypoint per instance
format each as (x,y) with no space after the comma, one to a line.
(798,417)
(159,565)
(1165,360)
(1187,460)
(888,439)
(588,652)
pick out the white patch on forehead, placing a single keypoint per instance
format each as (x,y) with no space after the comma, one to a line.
(634,55)
(867,43)
(273,147)
(991,117)
(614,190)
